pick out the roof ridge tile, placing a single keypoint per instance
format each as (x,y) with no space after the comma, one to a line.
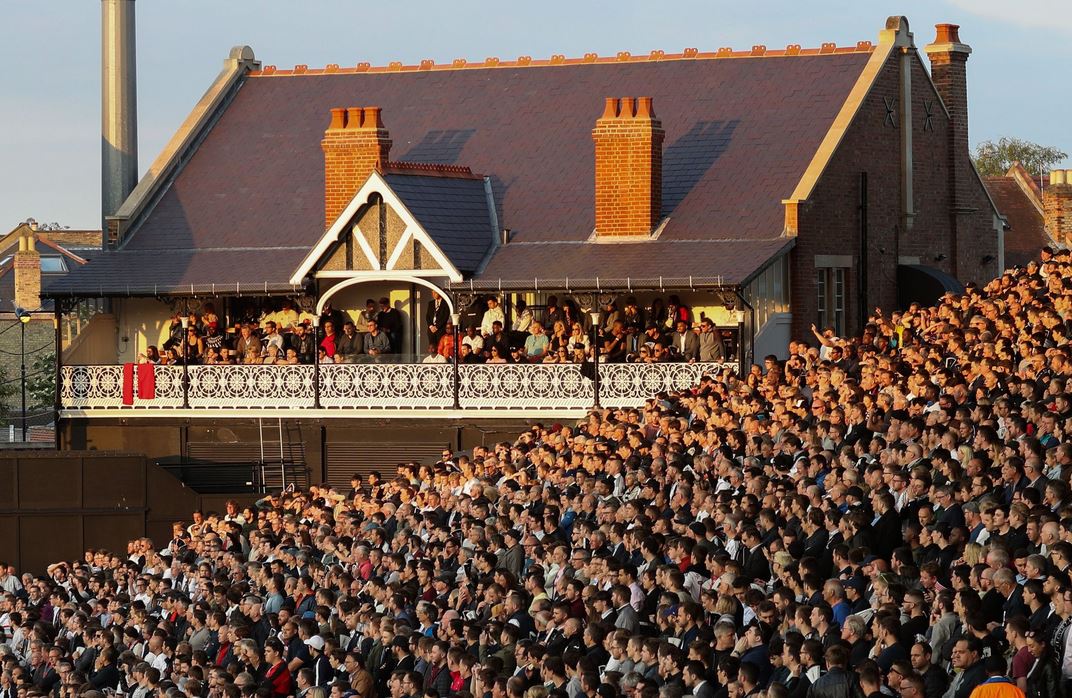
(524,61)
(429,169)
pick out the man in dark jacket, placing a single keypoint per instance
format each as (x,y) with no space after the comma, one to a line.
(435,318)
(837,682)
(968,663)
(438,676)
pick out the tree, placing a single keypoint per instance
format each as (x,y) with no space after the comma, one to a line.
(8,387)
(993,159)
(41,385)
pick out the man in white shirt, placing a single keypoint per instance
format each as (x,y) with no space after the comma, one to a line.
(434,357)
(492,314)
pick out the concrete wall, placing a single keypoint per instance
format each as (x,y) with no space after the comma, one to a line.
(95,344)
(141,322)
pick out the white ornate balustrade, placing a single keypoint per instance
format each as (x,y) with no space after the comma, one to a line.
(387,386)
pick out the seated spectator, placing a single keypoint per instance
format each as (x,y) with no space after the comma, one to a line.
(327,342)
(578,336)
(150,356)
(497,338)
(536,344)
(446,342)
(558,356)
(433,356)
(685,342)
(473,340)
(272,337)
(348,345)
(377,343)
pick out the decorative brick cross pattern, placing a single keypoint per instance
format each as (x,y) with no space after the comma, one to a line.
(928,115)
(891,111)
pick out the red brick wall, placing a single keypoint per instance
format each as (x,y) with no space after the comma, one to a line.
(1057,211)
(629,168)
(355,144)
(829,222)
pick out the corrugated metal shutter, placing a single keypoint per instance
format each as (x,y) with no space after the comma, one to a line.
(344,458)
(249,453)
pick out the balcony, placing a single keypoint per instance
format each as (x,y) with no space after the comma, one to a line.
(372,389)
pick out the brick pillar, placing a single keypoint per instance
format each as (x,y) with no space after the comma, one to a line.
(949,59)
(27,265)
(1057,206)
(629,168)
(355,144)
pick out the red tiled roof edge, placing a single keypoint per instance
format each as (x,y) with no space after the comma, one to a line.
(427,169)
(1026,180)
(758,51)
(61,249)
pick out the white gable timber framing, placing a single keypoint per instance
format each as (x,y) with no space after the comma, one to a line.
(345,225)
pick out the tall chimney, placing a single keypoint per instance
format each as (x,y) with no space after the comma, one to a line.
(119,108)
(1057,206)
(27,265)
(629,168)
(949,59)
(355,144)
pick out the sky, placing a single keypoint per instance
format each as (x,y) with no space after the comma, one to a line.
(50,84)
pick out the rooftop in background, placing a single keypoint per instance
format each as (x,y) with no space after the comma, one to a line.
(60,249)
(65,237)
(1018,196)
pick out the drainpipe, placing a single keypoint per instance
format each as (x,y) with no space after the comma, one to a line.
(744,362)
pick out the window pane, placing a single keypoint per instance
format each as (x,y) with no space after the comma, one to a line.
(52,265)
(820,286)
(839,300)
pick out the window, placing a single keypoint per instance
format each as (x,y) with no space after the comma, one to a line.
(830,287)
(53,265)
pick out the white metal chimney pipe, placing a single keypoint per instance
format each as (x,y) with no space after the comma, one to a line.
(119,105)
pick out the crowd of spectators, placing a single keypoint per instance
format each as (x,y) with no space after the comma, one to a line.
(881,515)
(561,334)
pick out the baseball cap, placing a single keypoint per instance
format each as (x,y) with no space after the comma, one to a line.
(316,642)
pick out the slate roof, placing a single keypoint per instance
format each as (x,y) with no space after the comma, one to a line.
(740,131)
(453,211)
(48,282)
(171,272)
(578,265)
(1026,234)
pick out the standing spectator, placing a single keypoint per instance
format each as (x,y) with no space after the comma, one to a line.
(436,317)
(492,315)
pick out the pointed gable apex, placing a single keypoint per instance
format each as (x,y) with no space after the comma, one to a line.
(380,260)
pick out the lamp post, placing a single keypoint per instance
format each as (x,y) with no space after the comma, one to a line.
(594,314)
(455,320)
(316,362)
(24,317)
(185,321)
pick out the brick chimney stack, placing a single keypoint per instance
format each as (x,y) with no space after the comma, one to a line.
(949,59)
(27,265)
(629,168)
(1057,206)
(355,144)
